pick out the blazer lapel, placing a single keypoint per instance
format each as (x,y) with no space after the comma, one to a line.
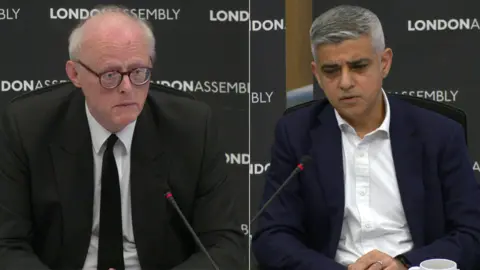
(148,180)
(327,154)
(407,156)
(72,157)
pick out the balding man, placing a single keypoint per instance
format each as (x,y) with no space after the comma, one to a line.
(84,166)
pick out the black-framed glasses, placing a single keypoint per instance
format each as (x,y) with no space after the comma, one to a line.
(111,79)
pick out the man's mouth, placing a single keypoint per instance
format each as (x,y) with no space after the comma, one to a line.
(125,104)
(348,98)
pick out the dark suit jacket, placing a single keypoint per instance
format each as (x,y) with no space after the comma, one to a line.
(301,228)
(46,184)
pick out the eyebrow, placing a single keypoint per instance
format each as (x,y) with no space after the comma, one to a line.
(350,63)
(116,67)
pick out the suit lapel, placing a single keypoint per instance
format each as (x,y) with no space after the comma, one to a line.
(327,154)
(407,156)
(72,156)
(148,180)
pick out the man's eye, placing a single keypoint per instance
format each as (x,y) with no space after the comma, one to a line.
(330,70)
(359,66)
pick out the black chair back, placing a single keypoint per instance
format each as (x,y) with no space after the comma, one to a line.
(444,109)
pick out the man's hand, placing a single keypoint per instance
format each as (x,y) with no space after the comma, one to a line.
(376,260)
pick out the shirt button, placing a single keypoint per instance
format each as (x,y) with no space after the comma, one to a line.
(362,193)
(361,154)
(368,226)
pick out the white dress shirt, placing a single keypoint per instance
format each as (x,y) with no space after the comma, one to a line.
(374,217)
(122,152)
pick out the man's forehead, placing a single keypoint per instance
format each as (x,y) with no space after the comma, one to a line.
(114,33)
(127,42)
(111,25)
(347,50)
(115,61)
(116,58)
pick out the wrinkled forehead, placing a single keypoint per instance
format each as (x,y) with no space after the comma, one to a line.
(346,51)
(116,52)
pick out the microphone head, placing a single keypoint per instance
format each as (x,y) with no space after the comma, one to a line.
(305,160)
(168,195)
(166,190)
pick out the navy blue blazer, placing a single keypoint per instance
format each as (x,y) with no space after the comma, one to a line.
(301,228)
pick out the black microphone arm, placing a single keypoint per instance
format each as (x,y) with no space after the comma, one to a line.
(169,197)
(303,161)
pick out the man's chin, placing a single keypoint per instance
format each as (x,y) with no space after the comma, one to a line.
(355,112)
(124,120)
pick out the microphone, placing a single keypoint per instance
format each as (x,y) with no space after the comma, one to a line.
(303,161)
(169,197)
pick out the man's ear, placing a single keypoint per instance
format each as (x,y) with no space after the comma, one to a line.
(72,73)
(386,61)
(315,73)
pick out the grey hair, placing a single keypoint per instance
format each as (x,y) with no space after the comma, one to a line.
(346,22)
(76,36)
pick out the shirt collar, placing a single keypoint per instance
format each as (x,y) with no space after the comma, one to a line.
(100,134)
(385,126)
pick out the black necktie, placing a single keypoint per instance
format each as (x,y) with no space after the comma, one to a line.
(110,242)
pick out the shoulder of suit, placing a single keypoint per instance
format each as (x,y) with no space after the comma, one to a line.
(428,113)
(306,107)
(55,98)
(62,90)
(175,101)
(161,94)
(162,90)
(417,113)
(306,111)
(46,100)
(49,92)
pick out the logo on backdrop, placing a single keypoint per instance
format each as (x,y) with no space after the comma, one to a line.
(26,85)
(245,229)
(444,95)
(9,13)
(443,25)
(476,166)
(244,16)
(262,97)
(160,14)
(244,159)
(215,87)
